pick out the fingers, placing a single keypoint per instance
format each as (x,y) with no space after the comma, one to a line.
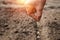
(36,18)
(30,9)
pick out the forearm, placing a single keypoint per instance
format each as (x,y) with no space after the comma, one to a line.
(41,5)
(39,9)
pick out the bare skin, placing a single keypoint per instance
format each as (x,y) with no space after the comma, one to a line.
(38,8)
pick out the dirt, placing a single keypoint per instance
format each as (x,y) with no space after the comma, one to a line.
(17,25)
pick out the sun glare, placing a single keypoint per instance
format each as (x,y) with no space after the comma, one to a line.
(24,1)
(28,1)
(27,4)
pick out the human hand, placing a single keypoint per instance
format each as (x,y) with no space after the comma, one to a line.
(31,11)
(35,11)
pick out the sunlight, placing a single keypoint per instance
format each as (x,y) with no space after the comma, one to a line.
(27,4)
(24,1)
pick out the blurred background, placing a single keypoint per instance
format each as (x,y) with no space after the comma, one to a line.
(15,26)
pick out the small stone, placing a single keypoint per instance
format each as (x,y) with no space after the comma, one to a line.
(38,36)
(55,18)
(38,32)
(16,32)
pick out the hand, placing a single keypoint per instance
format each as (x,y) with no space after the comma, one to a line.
(31,10)
(35,17)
